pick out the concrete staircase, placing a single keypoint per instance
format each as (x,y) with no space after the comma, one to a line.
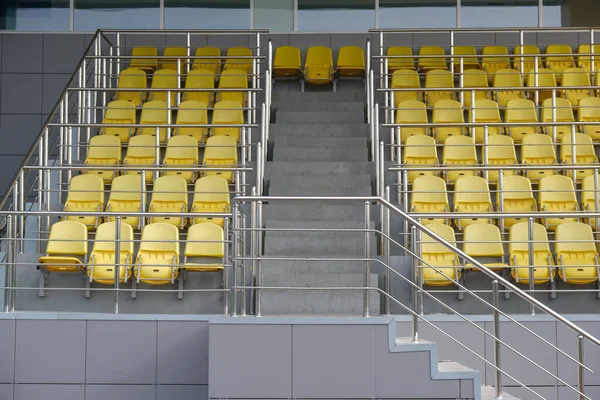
(319,148)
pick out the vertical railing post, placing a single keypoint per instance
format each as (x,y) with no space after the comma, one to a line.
(381,183)
(40,191)
(596,199)
(486,173)
(156,152)
(47,179)
(366,300)
(117,263)
(234,262)
(388,255)
(530,245)
(8,271)
(21,208)
(141,221)
(554,116)
(573,153)
(497,361)
(415,265)
(258,294)
(253,245)
(226,264)
(581,369)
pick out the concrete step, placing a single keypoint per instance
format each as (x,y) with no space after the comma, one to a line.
(319,155)
(354,106)
(322,142)
(319,117)
(319,191)
(274,168)
(355,225)
(313,97)
(489,393)
(319,130)
(307,244)
(306,183)
(312,211)
(313,267)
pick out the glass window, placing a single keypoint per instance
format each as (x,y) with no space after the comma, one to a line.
(408,14)
(207,14)
(39,15)
(116,14)
(492,14)
(335,15)
(276,15)
(553,13)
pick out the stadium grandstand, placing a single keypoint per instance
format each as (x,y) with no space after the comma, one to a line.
(300,199)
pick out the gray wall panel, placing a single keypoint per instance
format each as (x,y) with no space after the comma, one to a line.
(182,392)
(17,133)
(120,392)
(61,53)
(53,85)
(49,392)
(22,53)
(7,351)
(567,341)
(6,392)
(524,394)
(21,94)
(564,393)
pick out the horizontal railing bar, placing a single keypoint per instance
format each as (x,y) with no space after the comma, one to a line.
(246,32)
(84,167)
(494,167)
(481,30)
(116,214)
(489,89)
(510,57)
(163,90)
(150,125)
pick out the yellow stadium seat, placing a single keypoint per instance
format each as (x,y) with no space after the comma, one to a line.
(243,64)
(146,64)
(576,253)
(588,197)
(405,79)
(318,67)
(528,62)
(395,64)
(559,63)
(141,152)
(169,195)
(182,151)
(227,112)
(233,79)
(429,195)
(447,111)
(164,79)
(170,56)
(485,111)
(584,153)
(573,77)
(460,151)
(472,195)
(507,78)
(518,252)
(192,112)
(287,62)
(104,150)
(439,79)
(483,241)
(519,111)
(132,78)
(86,194)
(419,151)
(589,111)
(545,78)
(492,64)
(126,196)
(585,62)
(119,112)
(213,61)
(200,79)
(428,62)
(211,194)
(157,261)
(517,197)
(411,112)
(475,78)
(468,62)
(563,113)
(557,194)
(446,266)
(67,248)
(501,151)
(204,248)
(538,150)
(351,62)
(154,113)
(102,260)
(220,152)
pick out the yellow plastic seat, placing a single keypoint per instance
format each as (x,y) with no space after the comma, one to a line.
(483,242)
(559,63)
(204,248)
(192,112)
(584,61)
(538,150)
(119,112)
(211,194)
(154,113)
(102,260)
(157,261)
(104,150)
(181,151)
(86,194)
(145,64)
(563,113)
(67,248)
(576,253)
(429,195)
(405,79)
(429,63)
(141,152)
(210,64)
(447,111)
(441,266)
(220,151)
(318,67)
(545,78)
(287,62)
(169,195)
(438,79)
(243,64)
(501,151)
(164,79)
(227,112)
(517,197)
(468,62)
(132,78)
(394,64)
(199,79)
(589,111)
(507,78)
(518,253)
(351,62)
(460,151)
(519,111)
(475,78)
(557,194)
(419,150)
(485,111)
(573,77)
(126,196)
(169,60)
(233,79)
(529,52)
(493,64)
(584,154)
(472,195)
(588,197)
(411,112)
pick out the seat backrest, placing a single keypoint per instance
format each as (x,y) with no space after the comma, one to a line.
(211,64)
(68,237)
(575,77)
(104,147)
(400,62)
(587,49)
(429,189)
(431,246)
(126,188)
(494,50)
(211,189)
(88,188)
(564,111)
(501,147)
(471,189)
(154,111)
(120,111)
(486,111)
(170,188)
(160,237)
(238,62)
(447,111)
(142,146)
(589,108)
(584,146)
(171,63)
(574,237)
(351,57)
(420,146)
(164,79)
(556,188)
(144,51)
(287,57)
(233,78)
(192,112)
(319,55)
(200,79)
(483,240)
(132,78)
(105,240)
(439,78)
(516,188)
(518,237)
(220,147)
(474,78)
(528,61)
(465,51)
(537,146)
(520,110)
(182,147)
(411,111)
(459,148)
(507,78)
(405,78)
(558,49)
(588,190)
(205,240)
(545,78)
(228,112)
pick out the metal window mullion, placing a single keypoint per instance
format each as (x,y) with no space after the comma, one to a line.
(162,14)
(540,13)
(72,15)
(458,14)
(376,15)
(295,15)
(251,14)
